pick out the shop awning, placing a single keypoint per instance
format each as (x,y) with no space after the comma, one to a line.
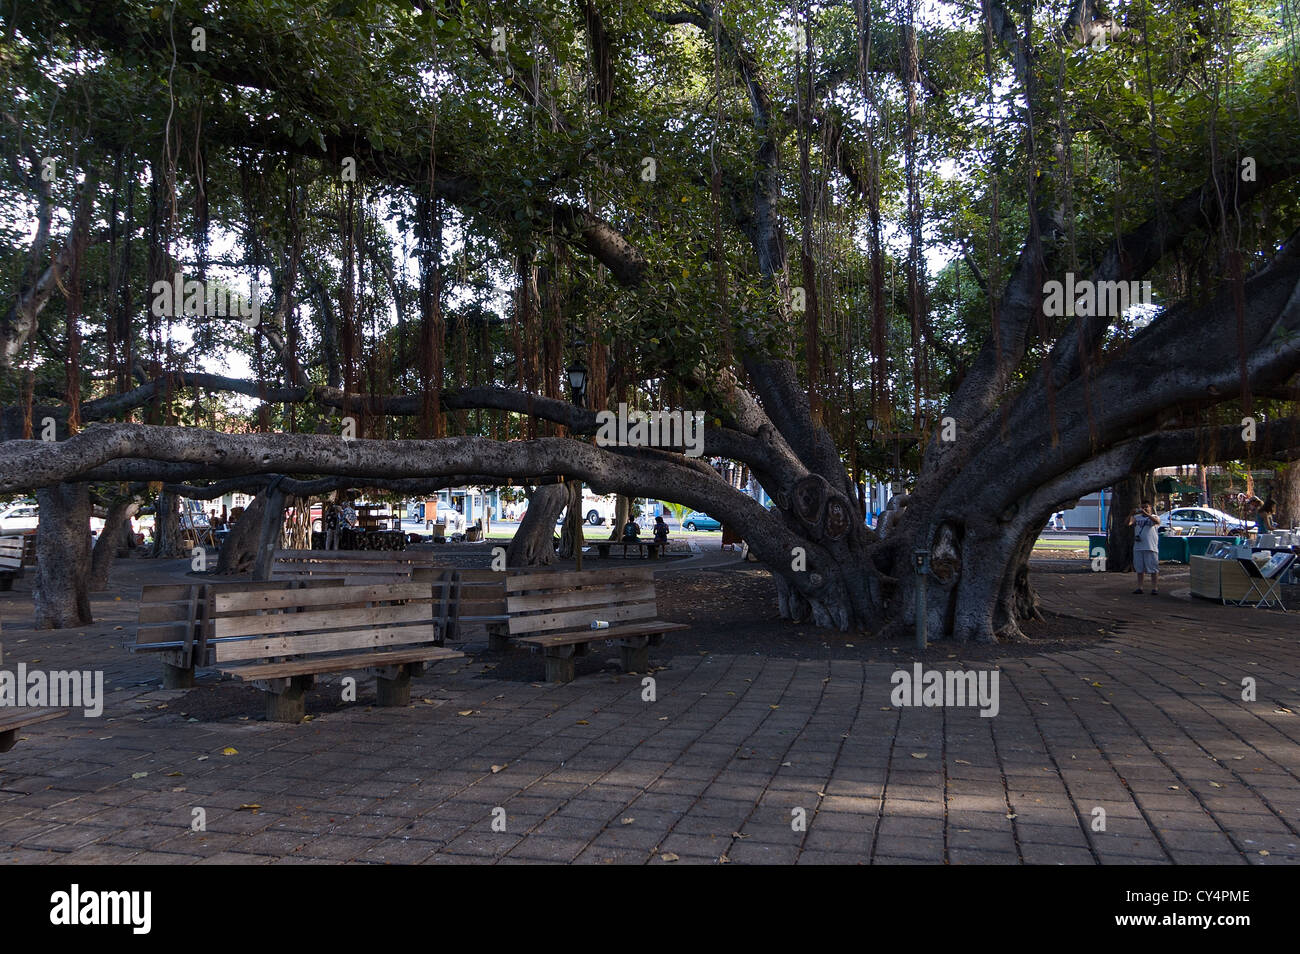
(1171,485)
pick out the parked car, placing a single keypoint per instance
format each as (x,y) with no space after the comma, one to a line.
(452,518)
(19,517)
(1204,520)
(694,520)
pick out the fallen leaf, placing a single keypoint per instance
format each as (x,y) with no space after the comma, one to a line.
(962,762)
(627,821)
(668,856)
(497,768)
(920,755)
(174,774)
(583,722)
(1263,852)
(468,712)
(139,774)
(230,750)
(254,808)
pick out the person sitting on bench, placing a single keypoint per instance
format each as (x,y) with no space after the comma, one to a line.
(661,531)
(631,532)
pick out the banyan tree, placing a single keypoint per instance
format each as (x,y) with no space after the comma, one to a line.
(832,227)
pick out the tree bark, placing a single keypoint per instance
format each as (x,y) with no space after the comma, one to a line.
(167,543)
(111,538)
(271,531)
(1286,495)
(1126,496)
(534,541)
(240,547)
(61,593)
(571,533)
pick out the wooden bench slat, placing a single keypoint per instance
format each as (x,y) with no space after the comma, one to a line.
(21,718)
(357,556)
(306,667)
(573,637)
(320,642)
(589,596)
(278,598)
(565,580)
(544,622)
(324,619)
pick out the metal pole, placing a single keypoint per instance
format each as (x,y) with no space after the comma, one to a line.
(922,561)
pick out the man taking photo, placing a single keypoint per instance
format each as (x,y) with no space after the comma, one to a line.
(1146,545)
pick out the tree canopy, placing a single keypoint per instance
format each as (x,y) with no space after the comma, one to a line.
(829,225)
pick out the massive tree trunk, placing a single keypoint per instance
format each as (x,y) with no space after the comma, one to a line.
(239,550)
(622,507)
(1286,494)
(113,537)
(271,532)
(571,539)
(534,541)
(167,542)
(1126,497)
(61,593)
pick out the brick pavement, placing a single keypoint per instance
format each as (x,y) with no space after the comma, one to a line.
(1148,725)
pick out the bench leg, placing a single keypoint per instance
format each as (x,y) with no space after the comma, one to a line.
(635,653)
(394,687)
(177,677)
(498,638)
(559,664)
(8,740)
(289,704)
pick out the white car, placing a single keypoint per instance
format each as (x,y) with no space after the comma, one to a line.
(19,517)
(26,516)
(1204,520)
(452,518)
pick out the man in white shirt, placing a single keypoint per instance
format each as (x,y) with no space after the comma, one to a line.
(1146,545)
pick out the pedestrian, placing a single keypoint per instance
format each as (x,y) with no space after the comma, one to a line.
(1264,520)
(1146,545)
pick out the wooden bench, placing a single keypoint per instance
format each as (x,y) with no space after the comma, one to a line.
(281,639)
(558,609)
(176,621)
(355,567)
(11,561)
(13,721)
(645,548)
(479,596)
